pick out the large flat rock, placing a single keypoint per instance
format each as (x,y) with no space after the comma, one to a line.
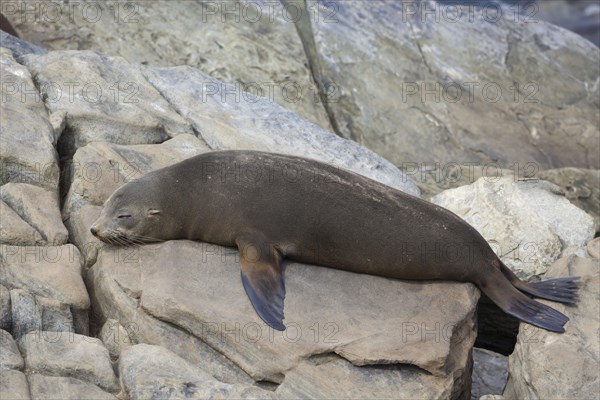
(369,321)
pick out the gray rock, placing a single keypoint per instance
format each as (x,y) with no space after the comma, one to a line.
(26,313)
(13,384)
(118,299)
(582,17)
(549,365)
(39,208)
(331,377)
(490,373)
(80,219)
(46,271)
(155,372)
(115,337)
(378,60)
(55,387)
(492,397)
(27,153)
(111,102)
(252,44)
(69,354)
(19,47)
(258,124)
(56,316)
(527,223)
(593,248)
(581,187)
(10,358)
(15,231)
(203,296)
(5,309)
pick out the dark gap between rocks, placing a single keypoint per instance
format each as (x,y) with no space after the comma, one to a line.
(496,330)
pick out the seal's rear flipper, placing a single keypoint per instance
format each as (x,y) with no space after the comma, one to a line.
(263,280)
(515,303)
(563,290)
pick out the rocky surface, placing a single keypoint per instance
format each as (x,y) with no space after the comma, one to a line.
(525,92)
(13,385)
(251,44)
(490,373)
(10,358)
(27,153)
(115,337)
(37,207)
(180,304)
(543,364)
(203,296)
(155,372)
(581,187)
(108,100)
(68,354)
(403,91)
(65,388)
(529,223)
(256,124)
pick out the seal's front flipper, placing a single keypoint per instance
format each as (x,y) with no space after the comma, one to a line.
(263,280)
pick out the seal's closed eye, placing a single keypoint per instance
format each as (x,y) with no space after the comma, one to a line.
(124,216)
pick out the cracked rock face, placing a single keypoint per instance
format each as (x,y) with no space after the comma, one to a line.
(404,91)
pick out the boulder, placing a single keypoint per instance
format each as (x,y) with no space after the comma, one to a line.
(5,309)
(39,208)
(13,230)
(65,388)
(490,373)
(71,355)
(27,153)
(13,384)
(593,248)
(196,287)
(155,372)
(250,44)
(329,376)
(548,365)
(103,98)
(522,93)
(115,337)
(528,223)
(10,358)
(581,187)
(26,313)
(46,271)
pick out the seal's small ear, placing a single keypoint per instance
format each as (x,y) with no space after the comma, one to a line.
(153,211)
(263,280)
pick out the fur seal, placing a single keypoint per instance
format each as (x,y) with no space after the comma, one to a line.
(275,207)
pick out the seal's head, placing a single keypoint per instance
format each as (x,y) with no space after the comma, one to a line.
(132,215)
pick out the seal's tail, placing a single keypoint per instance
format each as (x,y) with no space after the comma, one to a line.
(517,304)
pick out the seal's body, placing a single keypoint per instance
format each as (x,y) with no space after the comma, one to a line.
(275,207)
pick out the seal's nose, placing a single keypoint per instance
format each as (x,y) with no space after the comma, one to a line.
(94,230)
